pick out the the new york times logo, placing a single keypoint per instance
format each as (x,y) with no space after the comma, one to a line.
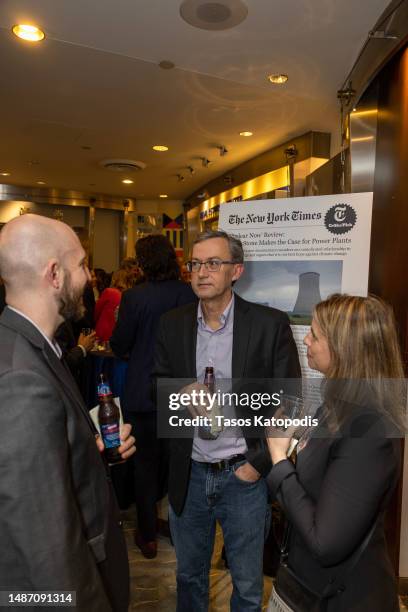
(340,218)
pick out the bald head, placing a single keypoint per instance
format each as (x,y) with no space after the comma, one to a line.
(28,243)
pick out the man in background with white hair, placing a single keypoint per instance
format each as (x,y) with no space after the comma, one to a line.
(59,523)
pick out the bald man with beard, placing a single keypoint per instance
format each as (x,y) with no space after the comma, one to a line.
(59,523)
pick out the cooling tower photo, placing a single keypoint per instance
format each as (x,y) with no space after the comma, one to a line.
(309,293)
(292,286)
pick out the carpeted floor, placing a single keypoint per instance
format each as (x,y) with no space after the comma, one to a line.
(153,584)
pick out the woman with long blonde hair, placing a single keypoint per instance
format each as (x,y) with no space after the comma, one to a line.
(336,495)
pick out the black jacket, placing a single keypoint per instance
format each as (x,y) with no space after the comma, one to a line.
(263,347)
(2,297)
(135,333)
(332,498)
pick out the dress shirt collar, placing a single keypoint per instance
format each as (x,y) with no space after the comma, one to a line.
(223,317)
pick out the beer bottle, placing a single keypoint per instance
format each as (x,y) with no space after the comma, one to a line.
(209,381)
(209,378)
(210,432)
(108,416)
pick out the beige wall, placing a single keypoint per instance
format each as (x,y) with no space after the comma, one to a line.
(106,242)
(173,208)
(75,216)
(169,207)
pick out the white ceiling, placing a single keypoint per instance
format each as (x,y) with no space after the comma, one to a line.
(95,82)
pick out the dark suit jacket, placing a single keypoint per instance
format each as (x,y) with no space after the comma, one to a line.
(58,525)
(88,320)
(72,353)
(332,498)
(263,347)
(2,297)
(135,333)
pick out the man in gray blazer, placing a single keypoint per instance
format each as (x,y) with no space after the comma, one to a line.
(59,523)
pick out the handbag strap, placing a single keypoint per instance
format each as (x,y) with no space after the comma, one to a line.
(356,556)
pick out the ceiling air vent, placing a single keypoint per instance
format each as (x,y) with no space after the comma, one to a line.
(210,15)
(122,165)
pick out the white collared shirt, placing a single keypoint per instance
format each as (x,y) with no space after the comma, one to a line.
(54,345)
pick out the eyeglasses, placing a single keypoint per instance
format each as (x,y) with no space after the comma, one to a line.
(212,265)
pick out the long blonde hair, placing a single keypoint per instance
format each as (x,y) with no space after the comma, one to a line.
(365,356)
(121,279)
(362,337)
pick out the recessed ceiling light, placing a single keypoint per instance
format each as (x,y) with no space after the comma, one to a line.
(5,173)
(28,32)
(246,133)
(160,148)
(278,79)
(40,182)
(163,195)
(127,181)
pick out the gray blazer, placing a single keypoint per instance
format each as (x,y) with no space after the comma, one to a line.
(56,506)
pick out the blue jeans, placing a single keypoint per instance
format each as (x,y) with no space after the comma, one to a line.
(241,509)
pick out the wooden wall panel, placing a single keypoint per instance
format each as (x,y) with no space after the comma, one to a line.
(389,239)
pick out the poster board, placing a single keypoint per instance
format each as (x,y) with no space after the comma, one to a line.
(298,251)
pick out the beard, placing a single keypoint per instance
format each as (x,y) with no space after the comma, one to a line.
(70,304)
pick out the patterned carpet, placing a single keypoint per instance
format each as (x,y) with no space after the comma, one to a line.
(153,585)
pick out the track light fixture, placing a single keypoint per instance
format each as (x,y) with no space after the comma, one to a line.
(205,162)
(191,170)
(291,153)
(382,34)
(180,178)
(223,150)
(346,95)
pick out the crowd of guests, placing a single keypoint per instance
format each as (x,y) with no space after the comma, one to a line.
(334,488)
(335,542)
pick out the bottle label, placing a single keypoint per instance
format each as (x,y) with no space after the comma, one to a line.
(104,389)
(110,435)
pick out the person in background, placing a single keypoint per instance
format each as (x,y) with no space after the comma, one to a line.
(106,308)
(185,274)
(336,496)
(131,266)
(134,336)
(94,284)
(87,319)
(102,281)
(75,351)
(59,522)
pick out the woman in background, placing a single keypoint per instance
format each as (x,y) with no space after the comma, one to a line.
(106,308)
(335,497)
(134,337)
